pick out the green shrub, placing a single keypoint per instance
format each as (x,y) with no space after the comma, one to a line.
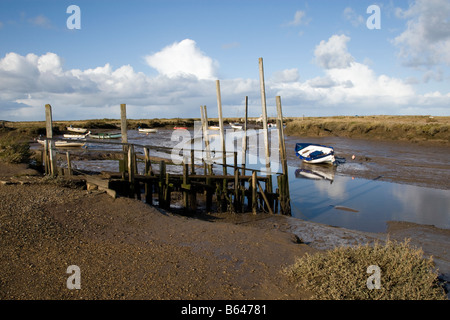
(341,273)
(14,149)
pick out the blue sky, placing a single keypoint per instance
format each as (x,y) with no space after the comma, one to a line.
(162,58)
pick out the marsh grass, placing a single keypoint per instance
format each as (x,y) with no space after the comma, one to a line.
(402,128)
(341,273)
(14,148)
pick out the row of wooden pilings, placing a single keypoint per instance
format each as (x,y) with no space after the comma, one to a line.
(229,190)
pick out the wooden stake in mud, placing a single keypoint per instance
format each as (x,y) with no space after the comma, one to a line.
(123,130)
(244,138)
(222,136)
(69,166)
(265,129)
(285,205)
(51,143)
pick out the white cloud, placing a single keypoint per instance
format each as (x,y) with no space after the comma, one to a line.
(333,53)
(299,18)
(40,21)
(351,16)
(426,40)
(287,75)
(183,59)
(29,82)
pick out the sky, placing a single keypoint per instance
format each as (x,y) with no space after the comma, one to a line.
(163,58)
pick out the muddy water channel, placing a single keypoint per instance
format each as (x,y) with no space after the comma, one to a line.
(384,181)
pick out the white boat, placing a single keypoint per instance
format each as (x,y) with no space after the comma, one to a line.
(236,126)
(79,130)
(76,136)
(147,130)
(314,153)
(214,128)
(64,143)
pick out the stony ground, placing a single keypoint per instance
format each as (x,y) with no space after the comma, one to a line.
(128,250)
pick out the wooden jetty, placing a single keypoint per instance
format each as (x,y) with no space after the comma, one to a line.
(229,188)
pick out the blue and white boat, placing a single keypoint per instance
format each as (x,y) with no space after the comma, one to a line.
(314,153)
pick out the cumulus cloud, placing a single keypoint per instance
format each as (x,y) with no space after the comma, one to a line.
(29,82)
(426,40)
(287,75)
(347,84)
(182,59)
(333,53)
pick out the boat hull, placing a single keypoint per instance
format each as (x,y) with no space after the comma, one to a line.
(147,130)
(65,144)
(79,130)
(106,136)
(315,153)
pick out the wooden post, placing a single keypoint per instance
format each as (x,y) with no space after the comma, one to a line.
(185,185)
(148,171)
(123,130)
(282,147)
(254,203)
(208,151)
(236,184)
(162,174)
(222,136)
(51,143)
(244,138)
(69,166)
(264,119)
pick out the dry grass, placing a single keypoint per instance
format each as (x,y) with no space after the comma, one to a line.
(14,147)
(341,273)
(402,128)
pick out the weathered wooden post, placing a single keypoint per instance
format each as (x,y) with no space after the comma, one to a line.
(148,171)
(254,203)
(51,143)
(244,138)
(124,133)
(222,144)
(286,204)
(265,129)
(222,135)
(69,166)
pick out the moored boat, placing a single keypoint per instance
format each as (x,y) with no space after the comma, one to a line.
(79,130)
(236,126)
(314,153)
(179,128)
(147,130)
(64,143)
(76,136)
(105,135)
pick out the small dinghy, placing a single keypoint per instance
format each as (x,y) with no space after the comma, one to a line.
(314,153)
(147,130)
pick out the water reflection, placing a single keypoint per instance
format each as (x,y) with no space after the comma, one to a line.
(366,205)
